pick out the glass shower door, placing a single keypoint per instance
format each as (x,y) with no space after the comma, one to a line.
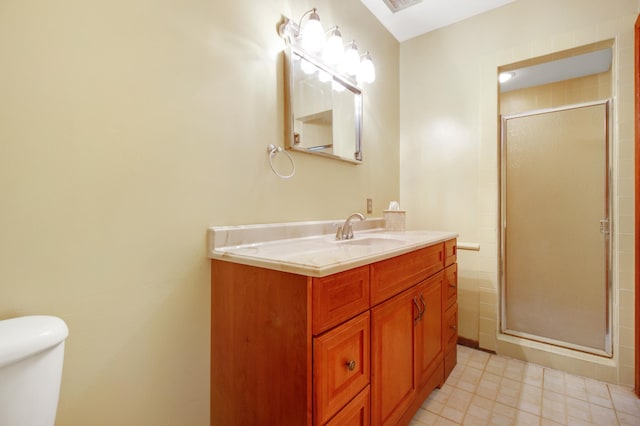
(555,228)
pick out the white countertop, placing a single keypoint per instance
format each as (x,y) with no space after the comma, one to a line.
(310,248)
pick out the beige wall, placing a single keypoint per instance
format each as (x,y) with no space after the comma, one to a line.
(126,129)
(448,153)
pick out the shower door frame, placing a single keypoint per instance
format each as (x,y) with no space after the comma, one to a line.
(608,352)
(637,205)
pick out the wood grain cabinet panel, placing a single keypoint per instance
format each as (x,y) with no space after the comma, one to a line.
(429,327)
(393,337)
(390,277)
(451,289)
(451,339)
(338,297)
(341,365)
(451,252)
(355,413)
(451,332)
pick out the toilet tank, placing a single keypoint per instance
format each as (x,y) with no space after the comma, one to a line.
(31,355)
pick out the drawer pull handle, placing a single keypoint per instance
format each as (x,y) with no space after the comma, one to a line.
(351,365)
(424,306)
(416,319)
(453,285)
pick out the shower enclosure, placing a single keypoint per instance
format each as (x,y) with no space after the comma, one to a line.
(555,227)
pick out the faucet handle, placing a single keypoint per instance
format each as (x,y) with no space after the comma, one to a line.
(338,232)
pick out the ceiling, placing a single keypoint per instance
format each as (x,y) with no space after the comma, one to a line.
(422,16)
(416,17)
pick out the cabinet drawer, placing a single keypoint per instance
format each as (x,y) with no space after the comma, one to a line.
(451,285)
(338,297)
(355,413)
(341,367)
(451,325)
(450,251)
(392,276)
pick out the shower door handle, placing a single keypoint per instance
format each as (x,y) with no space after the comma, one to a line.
(604,226)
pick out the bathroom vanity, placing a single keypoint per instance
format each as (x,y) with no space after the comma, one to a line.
(306,330)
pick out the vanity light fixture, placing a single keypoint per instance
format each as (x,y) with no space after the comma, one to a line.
(351,61)
(312,32)
(332,52)
(366,71)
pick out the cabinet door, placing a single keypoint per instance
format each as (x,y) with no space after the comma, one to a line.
(429,347)
(341,366)
(392,357)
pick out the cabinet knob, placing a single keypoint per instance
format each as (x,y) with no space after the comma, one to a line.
(351,365)
(453,327)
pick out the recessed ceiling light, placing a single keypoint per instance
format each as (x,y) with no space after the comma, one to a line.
(506,76)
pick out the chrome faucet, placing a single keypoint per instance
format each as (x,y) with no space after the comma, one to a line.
(345,232)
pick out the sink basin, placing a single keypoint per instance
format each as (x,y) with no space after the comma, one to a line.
(373,242)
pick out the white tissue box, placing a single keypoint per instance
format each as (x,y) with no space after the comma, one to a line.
(394,220)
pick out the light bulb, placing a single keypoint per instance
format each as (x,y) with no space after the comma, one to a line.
(333,50)
(506,76)
(351,60)
(313,34)
(307,67)
(324,76)
(366,71)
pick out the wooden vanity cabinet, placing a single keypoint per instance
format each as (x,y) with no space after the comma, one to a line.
(450,333)
(361,347)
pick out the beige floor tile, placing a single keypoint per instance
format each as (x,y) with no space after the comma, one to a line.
(530,399)
(496,365)
(486,389)
(578,409)
(480,408)
(527,419)
(553,380)
(628,419)
(548,422)
(479,359)
(469,379)
(503,415)
(489,386)
(554,407)
(624,400)
(602,415)
(576,387)
(424,417)
(514,369)
(533,375)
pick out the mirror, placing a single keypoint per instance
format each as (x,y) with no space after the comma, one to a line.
(323,108)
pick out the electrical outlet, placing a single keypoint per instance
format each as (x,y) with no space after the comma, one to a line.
(369,205)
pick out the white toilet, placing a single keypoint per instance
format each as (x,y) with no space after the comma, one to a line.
(31,355)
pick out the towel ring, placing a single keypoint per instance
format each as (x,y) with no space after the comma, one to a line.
(273,150)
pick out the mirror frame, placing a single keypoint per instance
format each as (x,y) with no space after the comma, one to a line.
(349,84)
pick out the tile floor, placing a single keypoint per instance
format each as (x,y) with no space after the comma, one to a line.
(487,389)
